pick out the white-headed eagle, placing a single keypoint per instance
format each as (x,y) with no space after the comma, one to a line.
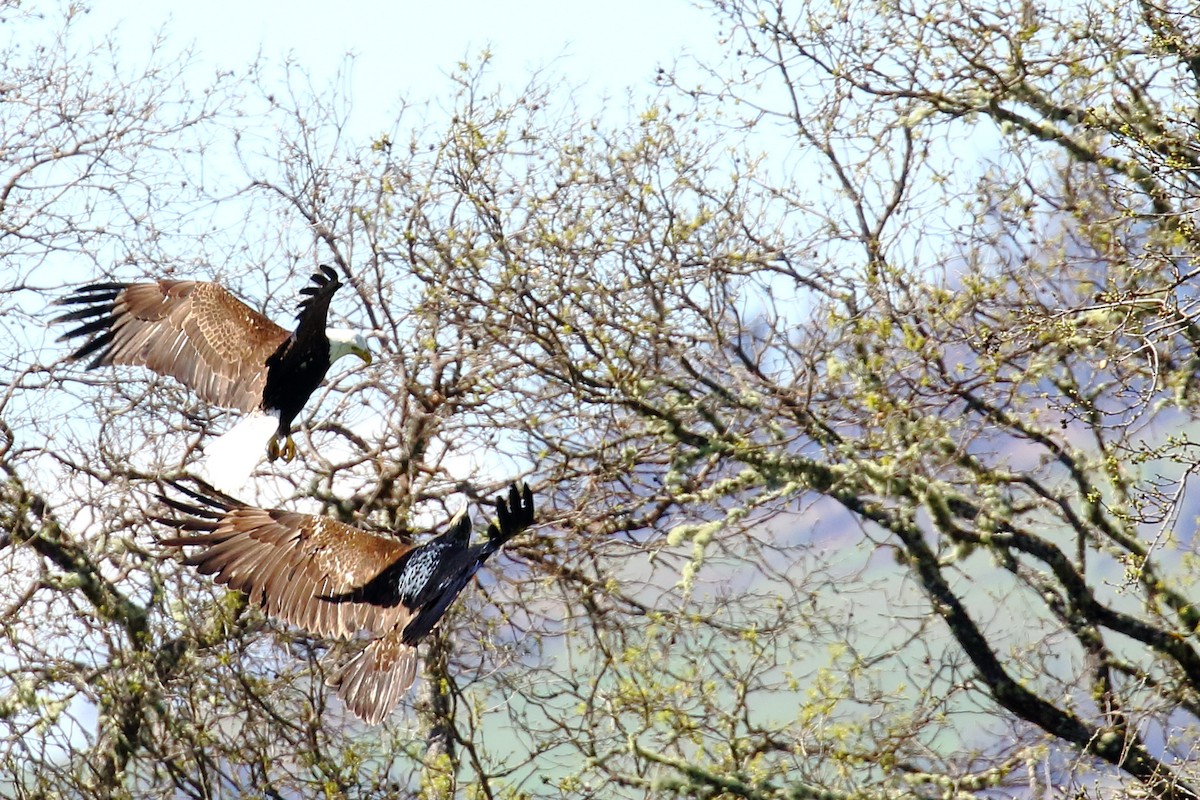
(226,352)
(333,579)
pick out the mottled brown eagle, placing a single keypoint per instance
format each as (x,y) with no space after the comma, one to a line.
(333,579)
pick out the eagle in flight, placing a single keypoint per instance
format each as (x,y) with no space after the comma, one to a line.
(226,352)
(333,579)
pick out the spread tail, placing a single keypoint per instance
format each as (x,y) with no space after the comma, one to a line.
(373,682)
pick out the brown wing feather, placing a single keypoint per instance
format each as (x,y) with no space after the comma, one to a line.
(287,562)
(198,333)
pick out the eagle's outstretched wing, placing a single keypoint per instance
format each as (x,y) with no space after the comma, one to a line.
(333,579)
(198,333)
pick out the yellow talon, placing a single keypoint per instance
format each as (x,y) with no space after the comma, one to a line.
(287,452)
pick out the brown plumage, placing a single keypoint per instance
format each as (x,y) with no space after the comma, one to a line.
(333,579)
(198,333)
(203,336)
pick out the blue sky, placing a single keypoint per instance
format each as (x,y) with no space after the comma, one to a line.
(407,48)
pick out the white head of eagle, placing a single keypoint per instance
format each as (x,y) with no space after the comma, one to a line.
(347,342)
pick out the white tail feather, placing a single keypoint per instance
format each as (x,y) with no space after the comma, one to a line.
(233,455)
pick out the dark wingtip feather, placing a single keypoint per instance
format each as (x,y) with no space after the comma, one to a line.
(323,278)
(101,323)
(95,305)
(204,506)
(320,289)
(512,516)
(87,312)
(92,293)
(206,493)
(100,343)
